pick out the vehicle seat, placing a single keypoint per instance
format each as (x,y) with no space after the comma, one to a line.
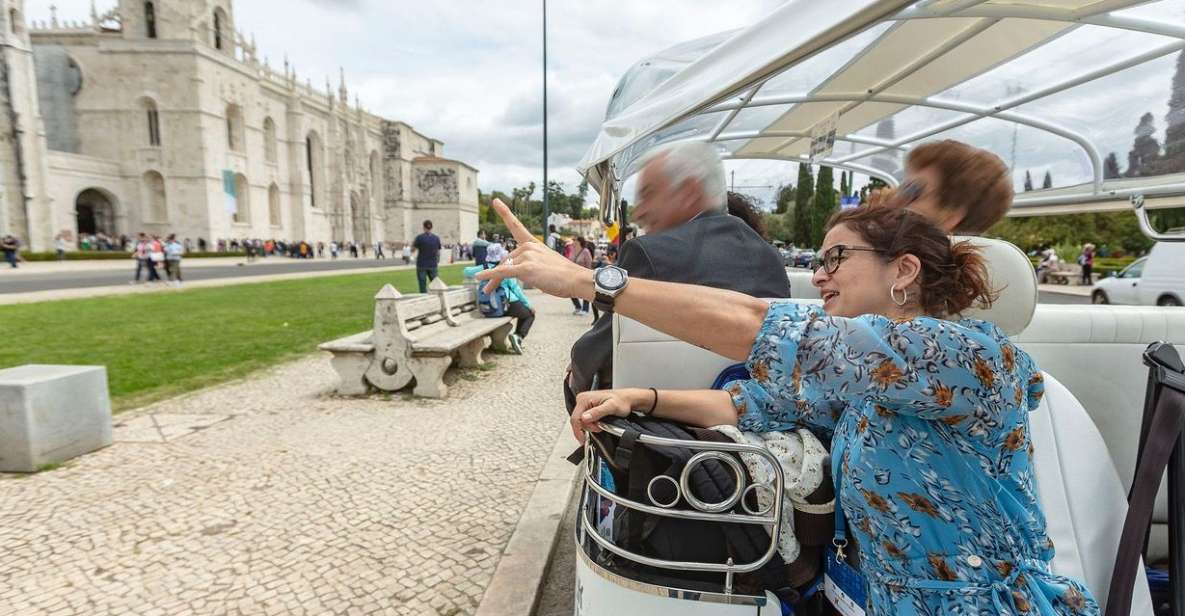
(1084,501)
(1011,275)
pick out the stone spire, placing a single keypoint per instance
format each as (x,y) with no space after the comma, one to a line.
(341,89)
(53,15)
(94,14)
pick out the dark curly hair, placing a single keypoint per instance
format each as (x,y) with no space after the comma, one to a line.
(744,208)
(954,277)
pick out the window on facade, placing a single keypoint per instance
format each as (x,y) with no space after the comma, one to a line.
(153,122)
(273,205)
(242,199)
(150,19)
(234,127)
(217,29)
(156,206)
(269,139)
(14,18)
(315,165)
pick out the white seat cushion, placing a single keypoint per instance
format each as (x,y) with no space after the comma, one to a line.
(1084,501)
(1011,275)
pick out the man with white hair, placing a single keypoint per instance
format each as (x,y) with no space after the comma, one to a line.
(682,205)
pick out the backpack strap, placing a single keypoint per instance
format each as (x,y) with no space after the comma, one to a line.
(1161,437)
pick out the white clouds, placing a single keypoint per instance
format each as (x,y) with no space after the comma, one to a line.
(469,73)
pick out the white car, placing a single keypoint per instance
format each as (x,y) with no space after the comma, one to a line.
(1155,280)
(1122,288)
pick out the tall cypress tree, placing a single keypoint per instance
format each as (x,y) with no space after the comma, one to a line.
(1048,181)
(803,194)
(1028,181)
(1111,166)
(1145,149)
(824,206)
(1174,136)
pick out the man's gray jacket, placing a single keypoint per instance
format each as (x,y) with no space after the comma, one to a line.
(713,249)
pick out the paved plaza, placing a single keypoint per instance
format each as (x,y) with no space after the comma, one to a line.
(271,496)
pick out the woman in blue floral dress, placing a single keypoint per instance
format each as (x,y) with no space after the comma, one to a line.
(928,416)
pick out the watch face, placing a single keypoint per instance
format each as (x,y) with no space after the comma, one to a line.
(610,278)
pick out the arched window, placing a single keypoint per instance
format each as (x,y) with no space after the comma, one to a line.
(14,20)
(153,117)
(269,140)
(150,19)
(219,25)
(315,165)
(242,199)
(234,127)
(155,202)
(273,205)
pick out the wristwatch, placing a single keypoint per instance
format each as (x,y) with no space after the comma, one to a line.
(609,282)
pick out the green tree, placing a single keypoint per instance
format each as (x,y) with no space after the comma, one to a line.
(805,192)
(786,194)
(825,204)
(1111,166)
(1028,181)
(1047,182)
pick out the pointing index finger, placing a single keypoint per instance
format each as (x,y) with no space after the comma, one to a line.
(520,232)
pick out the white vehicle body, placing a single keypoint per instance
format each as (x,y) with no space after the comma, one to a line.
(927,70)
(1163,281)
(1122,288)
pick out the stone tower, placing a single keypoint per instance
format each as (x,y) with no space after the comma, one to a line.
(24,207)
(211,21)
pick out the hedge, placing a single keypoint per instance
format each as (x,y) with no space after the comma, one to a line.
(111,255)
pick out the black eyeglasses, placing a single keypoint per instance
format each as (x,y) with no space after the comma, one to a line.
(831,258)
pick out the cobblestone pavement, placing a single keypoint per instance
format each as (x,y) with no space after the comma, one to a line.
(269,496)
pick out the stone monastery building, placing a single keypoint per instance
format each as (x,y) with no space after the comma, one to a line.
(160,116)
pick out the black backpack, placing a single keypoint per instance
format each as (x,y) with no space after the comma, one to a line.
(633,465)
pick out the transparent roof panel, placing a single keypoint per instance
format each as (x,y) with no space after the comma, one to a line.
(1075,53)
(807,75)
(910,121)
(1128,114)
(1102,84)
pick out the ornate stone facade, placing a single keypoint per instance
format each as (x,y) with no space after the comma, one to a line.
(160,116)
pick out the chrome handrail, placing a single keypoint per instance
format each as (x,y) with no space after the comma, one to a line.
(1137,202)
(771,521)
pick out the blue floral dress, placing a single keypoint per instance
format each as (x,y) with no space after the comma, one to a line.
(930,420)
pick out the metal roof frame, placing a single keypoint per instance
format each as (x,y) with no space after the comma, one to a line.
(988,14)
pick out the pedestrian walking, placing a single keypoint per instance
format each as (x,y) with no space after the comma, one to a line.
(378,250)
(320,250)
(1086,260)
(582,256)
(479,248)
(173,252)
(406,254)
(156,258)
(10,245)
(427,247)
(332,250)
(59,244)
(140,254)
(353,250)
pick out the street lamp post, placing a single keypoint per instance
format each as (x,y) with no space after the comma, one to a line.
(545,204)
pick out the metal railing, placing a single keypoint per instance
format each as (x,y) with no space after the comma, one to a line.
(769,517)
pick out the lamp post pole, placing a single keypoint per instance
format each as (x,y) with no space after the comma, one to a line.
(546,209)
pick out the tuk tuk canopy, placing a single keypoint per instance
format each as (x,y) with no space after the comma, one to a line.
(1083,99)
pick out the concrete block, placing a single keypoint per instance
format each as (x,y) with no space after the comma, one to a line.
(50,414)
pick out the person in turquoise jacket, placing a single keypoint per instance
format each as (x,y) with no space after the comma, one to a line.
(517,304)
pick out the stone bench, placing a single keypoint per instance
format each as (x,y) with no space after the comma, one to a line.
(50,414)
(417,338)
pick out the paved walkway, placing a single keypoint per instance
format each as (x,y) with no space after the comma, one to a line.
(1066,289)
(270,496)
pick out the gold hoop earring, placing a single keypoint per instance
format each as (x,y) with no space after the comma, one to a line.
(893,295)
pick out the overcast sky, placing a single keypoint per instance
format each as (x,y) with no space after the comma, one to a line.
(470,72)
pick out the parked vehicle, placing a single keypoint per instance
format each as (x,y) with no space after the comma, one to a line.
(1120,288)
(804,257)
(1155,280)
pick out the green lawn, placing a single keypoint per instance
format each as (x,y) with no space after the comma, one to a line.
(158,345)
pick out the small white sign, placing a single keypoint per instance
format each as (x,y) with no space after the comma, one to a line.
(823,137)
